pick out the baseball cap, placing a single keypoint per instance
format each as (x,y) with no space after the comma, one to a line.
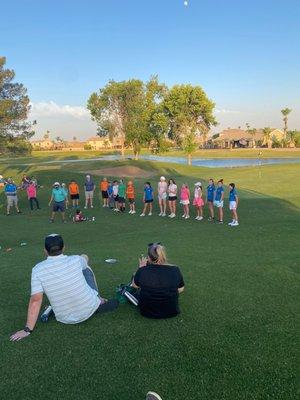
(162,178)
(198,184)
(54,244)
(56,184)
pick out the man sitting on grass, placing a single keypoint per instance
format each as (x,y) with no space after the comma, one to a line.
(70,285)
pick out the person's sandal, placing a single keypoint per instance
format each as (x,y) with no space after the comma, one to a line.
(109,305)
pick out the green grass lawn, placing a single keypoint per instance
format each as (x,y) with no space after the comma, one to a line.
(236,337)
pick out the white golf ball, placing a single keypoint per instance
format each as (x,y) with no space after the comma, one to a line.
(185,3)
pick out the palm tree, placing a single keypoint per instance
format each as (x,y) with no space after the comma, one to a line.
(285,112)
(47,135)
(251,132)
(267,135)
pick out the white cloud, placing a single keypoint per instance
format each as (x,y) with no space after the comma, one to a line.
(224,111)
(52,109)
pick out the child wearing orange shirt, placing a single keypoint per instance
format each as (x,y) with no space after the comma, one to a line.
(130,194)
(104,192)
(74,193)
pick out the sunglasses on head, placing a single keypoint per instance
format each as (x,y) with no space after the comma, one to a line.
(154,244)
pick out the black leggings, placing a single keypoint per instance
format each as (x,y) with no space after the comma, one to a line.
(34,200)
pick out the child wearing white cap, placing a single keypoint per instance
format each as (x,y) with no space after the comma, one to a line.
(198,201)
(162,196)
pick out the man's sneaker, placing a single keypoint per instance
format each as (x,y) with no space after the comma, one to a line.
(153,396)
(211,219)
(64,221)
(163,214)
(160,214)
(104,205)
(187,217)
(200,218)
(142,215)
(85,207)
(92,206)
(235,223)
(220,222)
(170,215)
(197,218)
(230,223)
(183,216)
(130,211)
(150,213)
(173,215)
(133,212)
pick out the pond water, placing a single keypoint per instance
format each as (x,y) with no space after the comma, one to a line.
(198,162)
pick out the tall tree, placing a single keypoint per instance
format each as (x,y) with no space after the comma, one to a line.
(15,130)
(251,132)
(285,113)
(267,135)
(189,110)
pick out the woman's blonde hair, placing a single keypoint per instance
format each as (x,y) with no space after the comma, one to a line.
(157,253)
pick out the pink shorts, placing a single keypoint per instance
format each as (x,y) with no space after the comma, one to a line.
(198,202)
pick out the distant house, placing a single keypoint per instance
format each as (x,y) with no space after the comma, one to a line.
(99,143)
(44,144)
(75,145)
(233,138)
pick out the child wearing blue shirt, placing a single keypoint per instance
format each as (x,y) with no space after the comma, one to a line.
(147,199)
(210,197)
(219,200)
(233,204)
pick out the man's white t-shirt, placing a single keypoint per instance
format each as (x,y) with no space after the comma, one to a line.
(62,280)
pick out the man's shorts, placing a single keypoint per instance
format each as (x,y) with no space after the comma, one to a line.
(219,203)
(131,201)
(149,201)
(89,195)
(162,196)
(121,199)
(12,200)
(232,205)
(59,206)
(74,196)
(104,194)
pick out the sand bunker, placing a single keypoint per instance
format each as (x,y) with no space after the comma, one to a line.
(126,171)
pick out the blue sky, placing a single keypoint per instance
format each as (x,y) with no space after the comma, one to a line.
(245,54)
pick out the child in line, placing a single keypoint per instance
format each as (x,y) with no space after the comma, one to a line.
(219,200)
(185,200)
(104,192)
(111,201)
(65,190)
(115,188)
(32,195)
(210,196)
(172,197)
(121,195)
(74,193)
(198,201)
(79,216)
(162,188)
(130,193)
(233,205)
(147,199)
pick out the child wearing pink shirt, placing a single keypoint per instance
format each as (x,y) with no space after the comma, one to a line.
(185,200)
(31,194)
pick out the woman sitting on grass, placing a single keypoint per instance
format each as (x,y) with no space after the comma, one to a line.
(160,284)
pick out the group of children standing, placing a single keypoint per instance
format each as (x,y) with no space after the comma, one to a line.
(114,195)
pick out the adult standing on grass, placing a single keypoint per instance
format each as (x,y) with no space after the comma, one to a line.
(172,197)
(162,188)
(10,191)
(210,197)
(69,284)
(89,188)
(160,284)
(58,195)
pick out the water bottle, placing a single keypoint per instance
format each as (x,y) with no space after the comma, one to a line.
(46,314)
